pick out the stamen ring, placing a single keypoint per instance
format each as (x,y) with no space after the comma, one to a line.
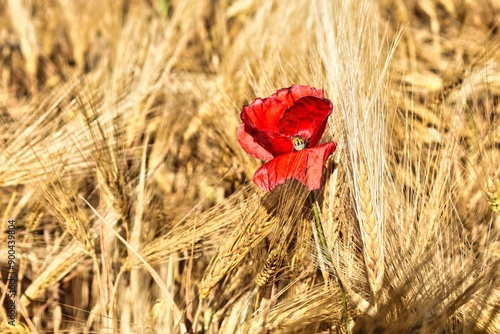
(299,143)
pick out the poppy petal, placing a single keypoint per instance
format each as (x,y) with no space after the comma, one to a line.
(263,114)
(251,146)
(291,94)
(274,142)
(307,118)
(306,166)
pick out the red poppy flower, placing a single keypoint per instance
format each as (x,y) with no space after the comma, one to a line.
(284,129)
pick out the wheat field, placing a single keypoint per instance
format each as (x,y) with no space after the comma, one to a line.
(134,204)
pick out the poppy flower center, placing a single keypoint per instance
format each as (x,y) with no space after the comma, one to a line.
(299,143)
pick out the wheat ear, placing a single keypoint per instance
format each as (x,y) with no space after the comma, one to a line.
(372,236)
(269,269)
(58,267)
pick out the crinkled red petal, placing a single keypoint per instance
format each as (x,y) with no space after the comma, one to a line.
(306,166)
(250,146)
(293,93)
(307,118)
(274,143)
(263,114)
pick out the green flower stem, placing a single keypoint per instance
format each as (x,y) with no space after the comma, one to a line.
(326,254)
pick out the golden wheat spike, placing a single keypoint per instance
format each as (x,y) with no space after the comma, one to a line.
(266,274)
(297,315)
(53,271)
(372,236)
